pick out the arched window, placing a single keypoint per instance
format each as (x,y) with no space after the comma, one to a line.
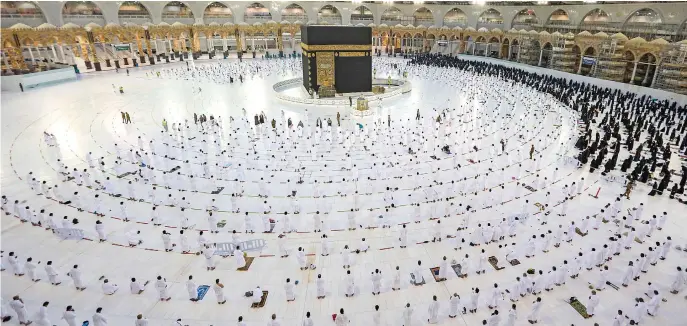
(362,15)
(257,13)
(392,16)
(646,23)
(330,15)
(218,13)
(455,17)
(525,19)
(293,13)
(133,12)
(82,13)
(25,12)
(595,21)
(423,16)
(559,21)
(491,18)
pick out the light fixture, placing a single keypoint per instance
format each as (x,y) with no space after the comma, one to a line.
(542,2)
(387,2)
(418,2)
(479,2)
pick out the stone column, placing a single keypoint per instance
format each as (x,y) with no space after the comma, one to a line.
(61,47)
(579,69)
(634,72)
(7,62)
(541,55)
(653,81)
(33,60)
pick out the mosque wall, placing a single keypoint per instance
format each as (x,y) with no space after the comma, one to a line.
(635,43)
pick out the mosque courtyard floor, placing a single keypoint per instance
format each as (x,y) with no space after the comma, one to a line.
(85,116)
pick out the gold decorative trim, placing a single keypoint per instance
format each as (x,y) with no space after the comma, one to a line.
(325,68)
(353,54)
(337,47)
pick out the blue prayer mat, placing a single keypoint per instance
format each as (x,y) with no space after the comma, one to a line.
(202,290)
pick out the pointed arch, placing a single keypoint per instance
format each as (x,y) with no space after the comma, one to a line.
(455,17)
(293,13)
(177,11)
(392,16)
(256,12)
(595,20)
(490,19)
(329,14)
(26,12)
(82,13)
(525,19)
(423,16)
(133,12)
(218,12)
(362,15)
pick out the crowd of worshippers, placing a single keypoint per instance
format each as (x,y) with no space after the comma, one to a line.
(663,121)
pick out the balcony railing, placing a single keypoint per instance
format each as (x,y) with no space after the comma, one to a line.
(256,19)
(8,15)
(293,18)
(453,23)
(490,25)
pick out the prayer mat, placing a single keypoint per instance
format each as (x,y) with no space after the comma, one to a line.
(174,169)
(221,224)
(249,261)
(202,291)
(125,174)
(412,280)
(578,231)
(494,263)
(579,307)
(514,262)
(528,187)
(457,269)
(435,273)
(219,189)
(262,302)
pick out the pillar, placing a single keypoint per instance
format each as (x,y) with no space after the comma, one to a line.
(653,81)
(7,62)
(634,72)
(579,69)
(54,53)
(541,54)
(61,47)
(33,60)
(486,50)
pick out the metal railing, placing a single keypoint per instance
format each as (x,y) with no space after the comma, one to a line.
(6,15)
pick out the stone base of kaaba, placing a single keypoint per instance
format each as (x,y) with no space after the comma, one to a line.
(326,91)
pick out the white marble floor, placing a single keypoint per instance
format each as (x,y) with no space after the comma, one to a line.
(85,117)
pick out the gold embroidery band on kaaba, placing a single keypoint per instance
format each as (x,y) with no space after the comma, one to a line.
(352,54)
(337,47)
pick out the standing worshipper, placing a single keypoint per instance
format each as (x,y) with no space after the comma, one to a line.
(219,292)
(98,318)
(534,314)
(592,304)
(17,304)
(69,316)
(433,311)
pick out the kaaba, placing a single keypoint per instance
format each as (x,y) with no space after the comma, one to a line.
(337,58)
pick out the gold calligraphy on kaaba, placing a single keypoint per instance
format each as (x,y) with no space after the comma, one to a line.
(325,68)
(352,54)
(337,47)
